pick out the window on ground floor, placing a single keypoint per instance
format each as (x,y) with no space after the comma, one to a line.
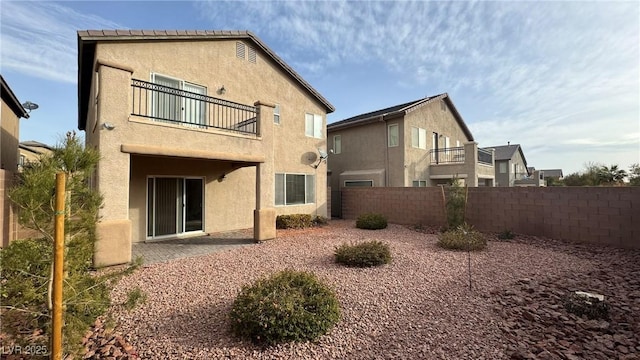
(295,189)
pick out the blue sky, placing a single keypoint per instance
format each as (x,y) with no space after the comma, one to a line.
(560,78)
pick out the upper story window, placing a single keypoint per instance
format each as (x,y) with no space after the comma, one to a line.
(337,144)
(447,142)
(419,138)
(240,50)
(276,114)
(457,143)
(313,126)
(503,168)
(393,136)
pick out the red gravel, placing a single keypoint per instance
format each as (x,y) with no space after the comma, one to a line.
(419,306)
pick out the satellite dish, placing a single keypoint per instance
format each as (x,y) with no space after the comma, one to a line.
(28,105)
(323,154)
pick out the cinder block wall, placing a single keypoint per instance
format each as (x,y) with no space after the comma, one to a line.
(597,215)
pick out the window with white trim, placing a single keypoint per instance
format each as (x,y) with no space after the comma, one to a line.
(337,144)
(503,168)
(313,126)
(419,183)
(276,114)
(447,142)
(295,189)
(457,143)
(182,107)
(358,183)
(393,135)
(418,138)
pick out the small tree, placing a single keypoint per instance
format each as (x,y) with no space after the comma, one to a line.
(27,265)
(634,175)
(456,203)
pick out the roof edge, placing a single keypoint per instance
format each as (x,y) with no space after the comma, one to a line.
(12,100)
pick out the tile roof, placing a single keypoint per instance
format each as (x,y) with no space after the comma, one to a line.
(87,37)
(504,152)
(399,109)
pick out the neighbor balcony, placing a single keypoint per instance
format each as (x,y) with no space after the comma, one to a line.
(467,162)
(181,107)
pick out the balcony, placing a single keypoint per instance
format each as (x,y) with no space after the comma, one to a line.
(467,162)
(456,155)
(177,106)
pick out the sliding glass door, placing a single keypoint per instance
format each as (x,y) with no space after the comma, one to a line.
(174,206)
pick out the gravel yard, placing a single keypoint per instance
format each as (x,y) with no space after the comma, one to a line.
(419,306)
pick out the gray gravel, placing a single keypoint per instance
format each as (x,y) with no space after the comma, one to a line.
(419,306)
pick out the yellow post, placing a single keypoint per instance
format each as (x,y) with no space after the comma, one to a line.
(58,260)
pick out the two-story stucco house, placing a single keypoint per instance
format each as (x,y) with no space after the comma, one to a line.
(419,143)
(199,132)
(511,166)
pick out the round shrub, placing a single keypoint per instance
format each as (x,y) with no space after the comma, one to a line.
(294,221)
(287,306)
(371,221)
(463,237)
(367,254)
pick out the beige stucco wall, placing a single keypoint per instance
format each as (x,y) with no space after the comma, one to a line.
(283,148)
(434,119)
(365,148)
(9,139)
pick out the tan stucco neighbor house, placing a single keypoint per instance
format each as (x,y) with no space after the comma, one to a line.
(199,132)
(419,143)
(31,151)
(511,167)
(11,112)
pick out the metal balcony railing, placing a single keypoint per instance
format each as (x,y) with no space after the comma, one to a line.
(171,105)
(447,155)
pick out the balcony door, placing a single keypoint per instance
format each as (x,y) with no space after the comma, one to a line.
(178,101)
(174,206)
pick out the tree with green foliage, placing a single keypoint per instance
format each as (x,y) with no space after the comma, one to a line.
(611,175)
(634,175)
(590,176)
(456,203)
(27,265)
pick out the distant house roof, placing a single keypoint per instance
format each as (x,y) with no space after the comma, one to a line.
(87,40)
(398,110)
(34,146)
(557,173)
(12,101)
(506,152)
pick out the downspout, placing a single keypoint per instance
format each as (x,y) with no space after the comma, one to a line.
(386,153)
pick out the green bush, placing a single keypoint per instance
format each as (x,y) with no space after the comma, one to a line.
(287,306)
(463,237)
(294,221)
(506,235)
(367,254)
(26,267)
(371,221)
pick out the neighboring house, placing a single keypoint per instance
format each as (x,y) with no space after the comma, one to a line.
(11,113)
(511,166)
(420,143)
(31,151)
(552,176)
(199,132)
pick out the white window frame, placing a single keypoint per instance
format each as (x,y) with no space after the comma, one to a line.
(420,183)
(313,124)
(337,144)
(183,120)
(447,142)
(503,167)
(421,135)
(396,128)
(457,143)
(357,181)
(307,199)
(276,114)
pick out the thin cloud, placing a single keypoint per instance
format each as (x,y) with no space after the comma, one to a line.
(39,38)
